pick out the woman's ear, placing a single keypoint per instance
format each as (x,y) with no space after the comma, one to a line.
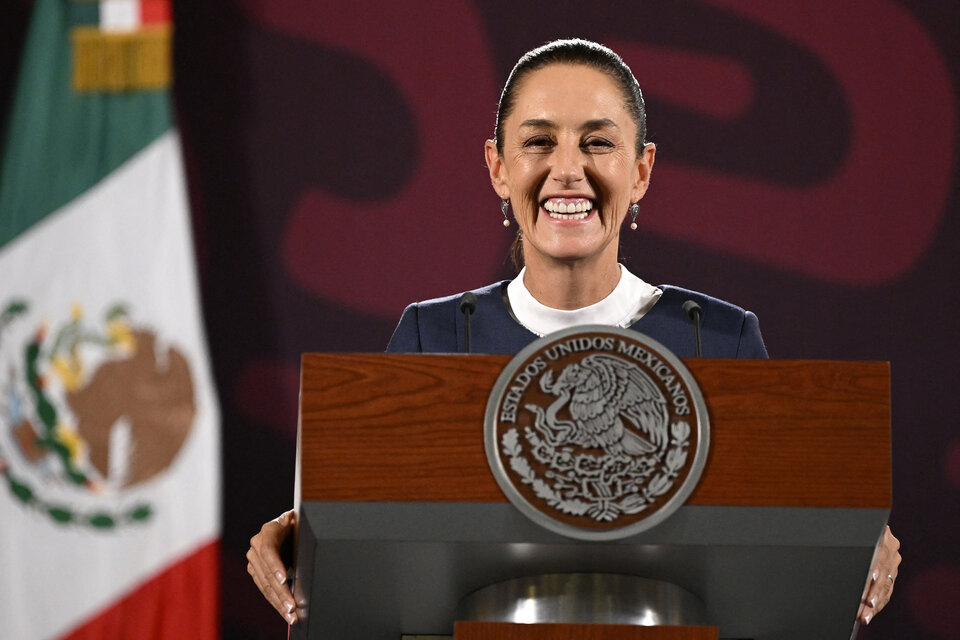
(495,167)
(644,169)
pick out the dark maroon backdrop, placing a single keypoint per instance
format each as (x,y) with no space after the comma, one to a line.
(806,169)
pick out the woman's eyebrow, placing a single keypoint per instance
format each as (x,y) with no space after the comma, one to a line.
(599,123)
(539,122)
(589,125)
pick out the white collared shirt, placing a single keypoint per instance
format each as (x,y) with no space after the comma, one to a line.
(627,303)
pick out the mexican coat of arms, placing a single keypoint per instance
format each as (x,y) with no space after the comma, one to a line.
(596,433)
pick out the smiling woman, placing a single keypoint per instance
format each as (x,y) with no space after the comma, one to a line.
(572,56)
(570,158)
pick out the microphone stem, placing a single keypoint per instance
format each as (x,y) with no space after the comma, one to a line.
(696,331)
(466,326)
(468,304)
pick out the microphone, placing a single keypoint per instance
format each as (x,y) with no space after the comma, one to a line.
(468,304)
(693,311)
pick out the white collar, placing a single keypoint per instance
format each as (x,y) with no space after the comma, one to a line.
(627,303)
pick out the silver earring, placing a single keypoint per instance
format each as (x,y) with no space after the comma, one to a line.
(633,211)
(503,209)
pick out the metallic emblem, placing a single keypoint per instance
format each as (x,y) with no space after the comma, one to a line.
(596,432)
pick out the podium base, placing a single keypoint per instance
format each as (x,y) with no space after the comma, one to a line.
(510,631)
(584,598)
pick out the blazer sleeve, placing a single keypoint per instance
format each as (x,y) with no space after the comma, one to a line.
(751,342)
(406,337)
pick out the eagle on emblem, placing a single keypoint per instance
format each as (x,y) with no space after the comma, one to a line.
(602,391)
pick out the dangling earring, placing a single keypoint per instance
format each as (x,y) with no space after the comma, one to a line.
(633,211)
(503,209)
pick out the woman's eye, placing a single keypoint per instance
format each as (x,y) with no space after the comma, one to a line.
(538,142)
(597,144)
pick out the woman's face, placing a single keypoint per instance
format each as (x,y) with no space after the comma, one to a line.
(569,164)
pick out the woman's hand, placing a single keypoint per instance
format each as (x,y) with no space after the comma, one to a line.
(267,568)
(883,573)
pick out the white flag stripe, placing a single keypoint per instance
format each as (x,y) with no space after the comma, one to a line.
(119,15)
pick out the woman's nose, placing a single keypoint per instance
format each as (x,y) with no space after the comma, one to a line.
(567,164)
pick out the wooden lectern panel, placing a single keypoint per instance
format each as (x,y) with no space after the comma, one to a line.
(511,631)
(400,517)
(783,433)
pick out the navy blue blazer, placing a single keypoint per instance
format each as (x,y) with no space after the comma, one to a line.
(436,326)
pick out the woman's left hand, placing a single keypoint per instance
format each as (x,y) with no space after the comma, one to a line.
(883,574)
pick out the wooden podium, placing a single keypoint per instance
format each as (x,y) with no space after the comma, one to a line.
(400,517)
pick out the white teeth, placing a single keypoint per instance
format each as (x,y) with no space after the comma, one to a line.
(568,210)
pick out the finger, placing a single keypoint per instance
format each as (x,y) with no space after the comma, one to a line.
(865,613)
(273,587)
(264,583)
(264,588)
(268,566)
(876,598)
(284,602)
(264,552)
(267,544)
(883,573)
(279,598)
(267,591)
(886,568)
(883,590)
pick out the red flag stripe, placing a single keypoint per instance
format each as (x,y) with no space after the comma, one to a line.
(155,12)
(180,602)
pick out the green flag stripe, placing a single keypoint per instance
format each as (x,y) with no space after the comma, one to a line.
(60,143)
(84,13)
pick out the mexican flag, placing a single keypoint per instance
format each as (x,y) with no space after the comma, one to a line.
(109,428)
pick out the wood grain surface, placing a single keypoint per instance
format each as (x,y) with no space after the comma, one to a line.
(387,427)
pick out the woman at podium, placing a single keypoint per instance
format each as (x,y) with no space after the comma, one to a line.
(570,163)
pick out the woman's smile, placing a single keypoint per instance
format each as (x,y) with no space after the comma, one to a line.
(565,209)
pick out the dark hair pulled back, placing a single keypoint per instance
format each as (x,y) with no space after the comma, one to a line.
(574,51)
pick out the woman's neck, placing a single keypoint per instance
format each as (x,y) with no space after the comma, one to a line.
(570,285)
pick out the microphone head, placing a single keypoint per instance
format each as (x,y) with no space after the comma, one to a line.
(468,302)
(690,307)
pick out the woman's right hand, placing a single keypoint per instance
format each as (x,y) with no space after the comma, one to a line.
(267,568)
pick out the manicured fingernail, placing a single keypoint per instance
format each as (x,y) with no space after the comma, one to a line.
(876,575)
(867,618)
(291,618)
(281,577)
(289,607)
(873,602)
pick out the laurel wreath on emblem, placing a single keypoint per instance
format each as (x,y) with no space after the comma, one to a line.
(616,456)
(44,438)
